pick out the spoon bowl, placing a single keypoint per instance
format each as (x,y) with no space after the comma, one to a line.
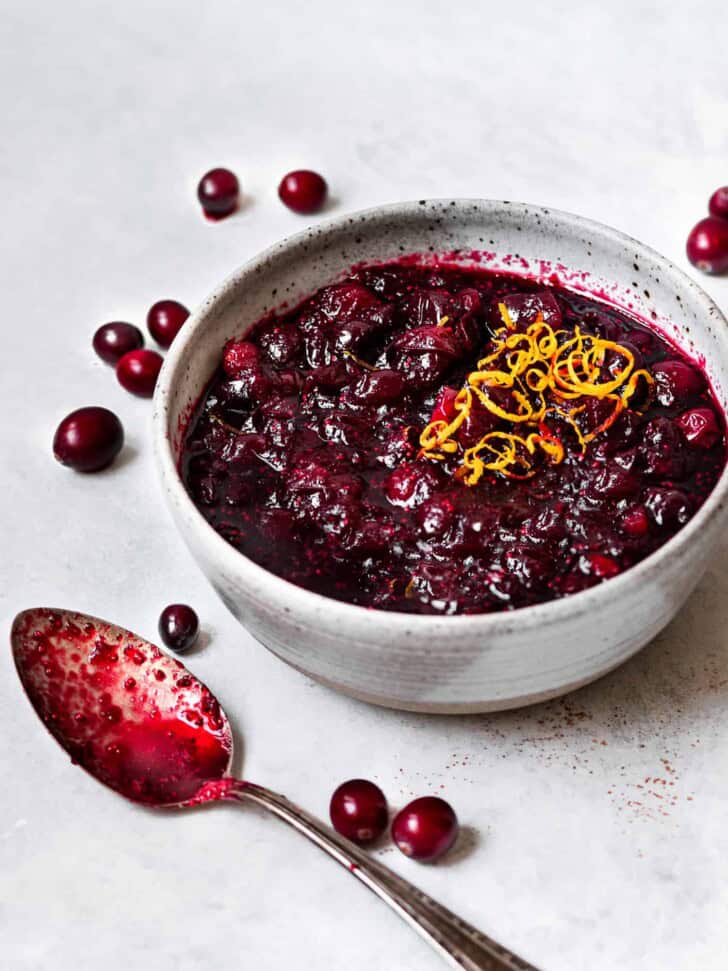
(126,712)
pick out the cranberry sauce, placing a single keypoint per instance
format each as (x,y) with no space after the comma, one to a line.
(308,452)
(127,713)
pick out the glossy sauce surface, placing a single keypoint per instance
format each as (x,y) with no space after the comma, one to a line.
(305,450)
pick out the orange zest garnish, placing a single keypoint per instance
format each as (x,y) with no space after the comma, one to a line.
(529,376)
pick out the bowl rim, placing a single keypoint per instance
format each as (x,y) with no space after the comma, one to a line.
(299,600)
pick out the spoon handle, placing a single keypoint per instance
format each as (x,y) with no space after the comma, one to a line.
(458,942)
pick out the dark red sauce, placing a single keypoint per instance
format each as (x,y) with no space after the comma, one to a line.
(127,713)
(304,453)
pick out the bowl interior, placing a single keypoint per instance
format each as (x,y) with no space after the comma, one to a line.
(548,246)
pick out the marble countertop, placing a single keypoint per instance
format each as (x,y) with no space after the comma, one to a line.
(595,833)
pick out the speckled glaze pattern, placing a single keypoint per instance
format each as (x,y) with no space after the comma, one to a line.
(464,663)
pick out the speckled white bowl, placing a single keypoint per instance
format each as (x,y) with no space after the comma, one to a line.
(448,664)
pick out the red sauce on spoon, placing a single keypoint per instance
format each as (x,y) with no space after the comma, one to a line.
(133,717)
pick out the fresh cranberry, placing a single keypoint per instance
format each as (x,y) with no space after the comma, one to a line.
(425,829)
(707,245)
(718,205)
(112,341)
(88,439)
(303,191)
(635,521)
(137,371)
(676,380)
(165,319)
(218,192)
(700,427)
(178,627)
(358,811)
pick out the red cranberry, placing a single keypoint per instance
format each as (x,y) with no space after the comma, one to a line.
(239,356)
(178,627)
(165,319)
(379,387)
(137,371)
(718,205)
(444,407)
(303,191)
(410,484)
(668,507)
(598,565)
(635,521)
(425,829)
(675,380)
(707,245)
(700,427)
(358,811)
(112,341)
(218,192)
(88,439)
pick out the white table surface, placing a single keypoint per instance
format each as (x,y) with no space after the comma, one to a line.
(596,826)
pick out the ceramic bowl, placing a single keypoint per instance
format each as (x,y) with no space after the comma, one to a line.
(448,664)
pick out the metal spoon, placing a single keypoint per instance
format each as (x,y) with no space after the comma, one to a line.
(139,722)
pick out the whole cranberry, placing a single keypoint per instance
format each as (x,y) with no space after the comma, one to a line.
(137,371)
(675,379)
(410,484)
(358,811)
(700,427)
(425,829)
(598,565)
(238,357)
(718,205)
(707,245)
(178,627)
(218,192)
(112,341)
(165,319)
(303,191)
(668,507)
(635,521)
(378,387)
(88,439)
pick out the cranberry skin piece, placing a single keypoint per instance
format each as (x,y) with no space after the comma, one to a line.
(707,245)
(303,191)
(165,319)
(112,341)
(218,192)
(137,371)
(88,439)
(358,811)
(718,205)
(700,427)
(178,627)
(425,829)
